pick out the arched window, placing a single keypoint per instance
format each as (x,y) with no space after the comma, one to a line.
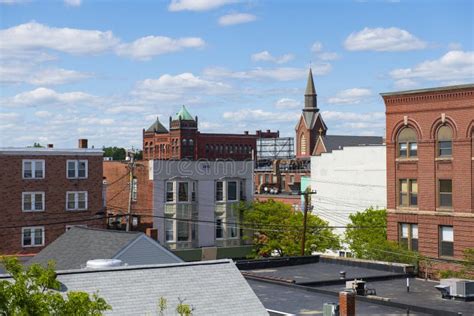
(185,142)
(445,141)
(407,143)
(303,144)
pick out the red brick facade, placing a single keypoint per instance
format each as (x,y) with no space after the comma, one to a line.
(117,177)
(183,140)
(53,187)
(426,112)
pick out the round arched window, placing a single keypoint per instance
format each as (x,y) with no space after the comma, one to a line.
(407,143)
(445,141)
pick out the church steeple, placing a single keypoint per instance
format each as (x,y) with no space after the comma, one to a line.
(310,96)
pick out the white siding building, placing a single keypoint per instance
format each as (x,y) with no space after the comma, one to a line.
(195,203)
(348,180)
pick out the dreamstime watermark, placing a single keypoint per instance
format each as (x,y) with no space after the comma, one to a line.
(203,167)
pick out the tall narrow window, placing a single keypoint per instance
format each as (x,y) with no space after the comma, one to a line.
(169,230)
(219,229)
(219,191)
(193,191)
(407,143)
(409,236)
(169,192)
(183,192)
(445,141)
(303,144)
(232,228)
(445,193)
(183,230)
(231,191)
(446,241)
(408,193)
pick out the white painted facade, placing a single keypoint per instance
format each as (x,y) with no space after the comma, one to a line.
(348,180)
(203,208)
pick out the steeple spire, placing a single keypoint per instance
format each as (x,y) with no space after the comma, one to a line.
(310,96)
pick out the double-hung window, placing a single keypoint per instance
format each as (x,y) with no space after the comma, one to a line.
(219,229)
(445,193)
(408,193)
(231,190)
(446,241)
(183,230)
(183,192)
(407,143)
(169,229)
(232,228)
(77,169)
(169,192)
(445,141)
(219,191)
(33,169)
(32,236)
(32,201)
(76,201)
(409,236)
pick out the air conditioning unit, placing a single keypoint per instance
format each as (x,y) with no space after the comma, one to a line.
(458,288)
(330,309)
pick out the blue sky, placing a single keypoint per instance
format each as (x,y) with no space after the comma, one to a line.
(103,70)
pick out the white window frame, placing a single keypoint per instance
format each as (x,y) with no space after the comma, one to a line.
(173,229)
(222,228)
(236,190)
(32,236)
(173,192)
(33,209)
(76,201)
(229,223)
(33,168)
(76,169)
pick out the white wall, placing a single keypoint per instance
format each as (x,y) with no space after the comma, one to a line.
(348,180)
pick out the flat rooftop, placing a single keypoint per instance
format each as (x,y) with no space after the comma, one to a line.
(50,151)
(303,288)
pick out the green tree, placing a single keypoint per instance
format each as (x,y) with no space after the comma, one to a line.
(117,153)
(367,239)
(34,292)
(276,228)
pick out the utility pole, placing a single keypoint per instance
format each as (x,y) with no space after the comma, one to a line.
(305,194)
(131,167)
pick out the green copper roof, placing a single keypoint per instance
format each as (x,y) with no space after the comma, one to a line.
(183,114)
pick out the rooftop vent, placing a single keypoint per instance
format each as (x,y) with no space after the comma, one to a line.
(103,263)
(456,288)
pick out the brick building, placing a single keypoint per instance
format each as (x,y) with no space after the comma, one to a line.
(430,169)
(117,178)
(46,190)
(183,140)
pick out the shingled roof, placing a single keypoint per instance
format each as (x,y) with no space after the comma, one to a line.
(157,127)
(334,142)
(75,247)
(210,287)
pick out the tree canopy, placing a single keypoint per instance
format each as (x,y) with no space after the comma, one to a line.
(117,153)
(34,291)
(367,238)
(277,229)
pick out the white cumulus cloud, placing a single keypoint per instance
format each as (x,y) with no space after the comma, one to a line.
(42,96)
(197,5)
(147,47)
(247,115)
(383,40)
(453,66)
(266,56)
(278,74)
(73,3)
(287,103)
(317,47)
(350,96)
(236,18)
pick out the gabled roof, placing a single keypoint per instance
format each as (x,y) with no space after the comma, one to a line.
(310,118)
(211,287)
(75,247)
(183,114)
(334,142)
(157,127)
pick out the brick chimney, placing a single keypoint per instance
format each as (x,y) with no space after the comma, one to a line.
(50,145)
(82,143)
(347,304)
(152,233)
